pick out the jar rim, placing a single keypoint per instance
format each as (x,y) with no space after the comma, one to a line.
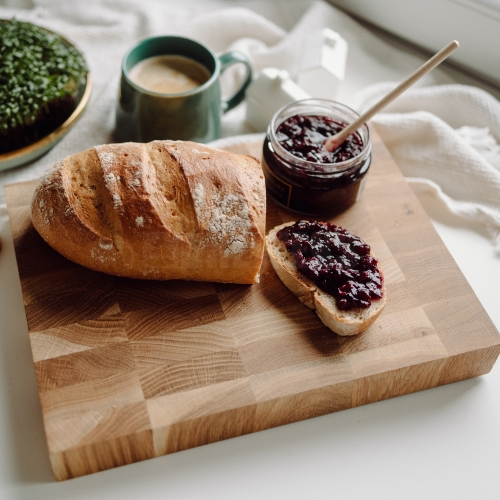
(329,106)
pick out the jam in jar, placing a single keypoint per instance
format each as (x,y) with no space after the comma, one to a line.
(300,173)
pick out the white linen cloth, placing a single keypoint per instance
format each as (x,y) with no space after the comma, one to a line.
(444,139)
(423,129)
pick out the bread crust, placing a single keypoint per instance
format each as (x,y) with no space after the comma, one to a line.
(351,322)
(162,210)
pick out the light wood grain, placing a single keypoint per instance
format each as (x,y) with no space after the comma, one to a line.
(130,370)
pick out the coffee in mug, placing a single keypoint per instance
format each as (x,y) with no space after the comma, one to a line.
(170,89)
(169,74)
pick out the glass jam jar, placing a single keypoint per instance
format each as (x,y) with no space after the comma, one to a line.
(313,187)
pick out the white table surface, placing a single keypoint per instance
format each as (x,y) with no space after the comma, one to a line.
(442,443)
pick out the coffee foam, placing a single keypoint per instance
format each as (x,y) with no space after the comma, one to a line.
(169,74)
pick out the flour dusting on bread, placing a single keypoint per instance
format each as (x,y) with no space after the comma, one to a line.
(198,195)
(50,181)
(230,222)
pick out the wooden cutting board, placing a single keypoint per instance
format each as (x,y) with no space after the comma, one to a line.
(129,370)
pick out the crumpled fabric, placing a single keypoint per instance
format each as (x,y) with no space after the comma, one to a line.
(445,139)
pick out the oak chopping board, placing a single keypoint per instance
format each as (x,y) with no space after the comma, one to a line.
(129,369)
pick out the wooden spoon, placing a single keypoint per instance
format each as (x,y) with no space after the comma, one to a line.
(332,143)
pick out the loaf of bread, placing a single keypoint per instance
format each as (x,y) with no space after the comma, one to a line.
(162,210)
(343,322)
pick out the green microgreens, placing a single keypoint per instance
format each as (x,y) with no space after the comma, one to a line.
(36,67)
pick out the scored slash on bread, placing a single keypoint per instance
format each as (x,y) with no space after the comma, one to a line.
(342,322)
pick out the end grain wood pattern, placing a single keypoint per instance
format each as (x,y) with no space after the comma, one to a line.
(129,370)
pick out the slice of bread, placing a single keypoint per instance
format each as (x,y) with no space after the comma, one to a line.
(349,322)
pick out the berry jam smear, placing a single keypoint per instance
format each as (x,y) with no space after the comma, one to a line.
(304,136)
(337,261)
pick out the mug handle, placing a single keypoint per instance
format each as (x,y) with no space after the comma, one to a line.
(228,59)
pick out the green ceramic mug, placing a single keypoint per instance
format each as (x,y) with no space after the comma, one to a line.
(144,115)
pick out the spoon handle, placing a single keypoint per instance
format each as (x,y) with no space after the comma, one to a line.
(335,141)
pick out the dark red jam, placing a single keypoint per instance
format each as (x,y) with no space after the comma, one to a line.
(304,136)
(337,261)
(303,176)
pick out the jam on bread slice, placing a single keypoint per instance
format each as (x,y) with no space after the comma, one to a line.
(331,271)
